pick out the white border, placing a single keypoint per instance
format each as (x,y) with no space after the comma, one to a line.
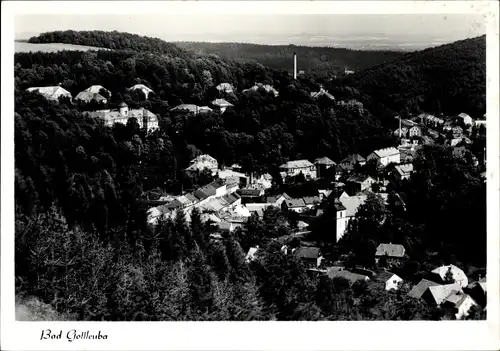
(254,335)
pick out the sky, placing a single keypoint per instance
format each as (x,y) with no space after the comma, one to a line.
(320,30)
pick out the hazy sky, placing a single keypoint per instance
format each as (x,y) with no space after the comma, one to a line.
(265,29)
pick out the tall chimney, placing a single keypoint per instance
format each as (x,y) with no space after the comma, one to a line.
(399,127)
(294,65)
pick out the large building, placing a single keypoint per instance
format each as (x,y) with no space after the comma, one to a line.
(294,168)
(51,93)
(145,118)
(385,156)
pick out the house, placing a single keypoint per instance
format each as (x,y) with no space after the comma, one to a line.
(266,87)
(341,170)
(404,171)
(459,302)
(202,162)
(143,88)
(276,201)
(437,294)
(383,157)
(191,108)
(310,255)
(431,120)
(205,193)
(391,280)
(418,290)
(354,159)
(322,164)
(401,132)
(342,220)
(302,225)
(86,97)
(186,201)
(322,93)
(294,168)
(145,118)
(454,273)
(325,193)
(255,207)
(251,254)
(51,93)
(225,88)
(467,120)
(296,205)
(311,201)
(263,182)
(231,177)
(390,251)
(359,182)
(414,131)
(351,277)
(251,193)
(221,104)
(96,89)
(478,291)
(220,187)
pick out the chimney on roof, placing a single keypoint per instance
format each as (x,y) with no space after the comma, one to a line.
(294,65)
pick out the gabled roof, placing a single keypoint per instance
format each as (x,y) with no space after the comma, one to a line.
(404,169)
(458,274)
(297,164)
(188,107)
(389,151)
(338,272)
(224,87)
(354,158)
(385,276)
(309,200)
(440,292)
(221,103)
(295,203)
(463,115)
(95,89)
(391,250)
(352,204)
(87,96)
(359,178)
(308,252)
(51,91)
(141,87)
(324,161)
(418,290)
(205,191)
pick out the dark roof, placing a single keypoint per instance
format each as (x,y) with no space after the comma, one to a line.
(250,192)
(358,178)
(217,183)
(191,197)
(354,158)
(339,206)
(384,276)
(311,199)
(340,168)
(418,290)
(205,191)
(307,252)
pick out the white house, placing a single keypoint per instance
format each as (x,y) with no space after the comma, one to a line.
(142,88)
(145,118)
(458,275)
(466,119)
(294,168)
(87,97)
(385,156)
(52,92)
(414,131)
(202,162)
(461,302)
(342,220)
(404,171)
(392,281)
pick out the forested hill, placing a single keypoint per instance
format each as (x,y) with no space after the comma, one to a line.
(111,40)
(316,60)
(450,78)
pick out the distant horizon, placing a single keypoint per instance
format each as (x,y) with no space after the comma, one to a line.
(363,32)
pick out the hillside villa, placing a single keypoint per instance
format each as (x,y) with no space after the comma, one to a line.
(385,156)
(51,93)
(145,118)
(143,88)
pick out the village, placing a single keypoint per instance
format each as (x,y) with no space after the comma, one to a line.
(233,197)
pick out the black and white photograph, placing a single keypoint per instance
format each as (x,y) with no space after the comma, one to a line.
(249,167)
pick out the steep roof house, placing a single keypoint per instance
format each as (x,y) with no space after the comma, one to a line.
(52,92)
(353,159)
(360,182)
(385,156)
(443,272)
(143,88)
(437,294)
(478,291)
(202,162)
(86,96)
(418,290)
(459,302)
(221,104)
(294,168)
(467,120)
(392,281)
(96,89)
(296,205)
(310,255)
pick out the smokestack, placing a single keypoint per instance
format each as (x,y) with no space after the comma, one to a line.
(399,127)
(294,65)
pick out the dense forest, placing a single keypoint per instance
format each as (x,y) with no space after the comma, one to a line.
(448,79)
(319,61)
(82,242)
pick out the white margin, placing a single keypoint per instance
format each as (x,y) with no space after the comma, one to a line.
(254,335)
